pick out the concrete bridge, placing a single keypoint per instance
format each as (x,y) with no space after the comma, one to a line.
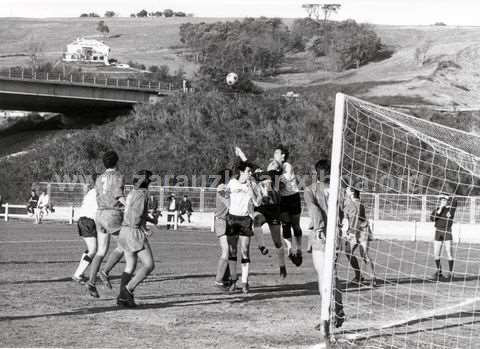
(76,95)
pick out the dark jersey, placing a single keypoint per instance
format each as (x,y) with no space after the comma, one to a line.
(109,188)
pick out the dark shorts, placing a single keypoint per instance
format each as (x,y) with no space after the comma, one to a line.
(86,228)
(239,225)
(291,204)
(266,214)
(441,235)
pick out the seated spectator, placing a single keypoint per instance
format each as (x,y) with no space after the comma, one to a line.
(185,208)
(32,203)
(172,206)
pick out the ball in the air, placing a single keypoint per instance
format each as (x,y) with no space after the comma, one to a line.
(231,79)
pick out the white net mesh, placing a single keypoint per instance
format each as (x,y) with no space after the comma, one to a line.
(402,164)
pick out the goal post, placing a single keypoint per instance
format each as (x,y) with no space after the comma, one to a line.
(418,182)
(332,215)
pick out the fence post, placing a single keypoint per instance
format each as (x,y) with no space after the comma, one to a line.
(49,191)
(472,209)
(70,219)
(202,200)
(160,198)
(423,217)
(6,212)
(376,208)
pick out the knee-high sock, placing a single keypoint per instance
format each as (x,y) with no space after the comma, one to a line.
(95,266)
(141,275)
(114,257)
(245,267)
(126,277)
(83,265)
(232,266)
(450,265)
(437,263)
(281,256)
(221,269)
(355,266)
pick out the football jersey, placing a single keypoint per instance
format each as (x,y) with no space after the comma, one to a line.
(355,213)
(136,209)
(289,181)
(109,187)
(221,205)
(240,198)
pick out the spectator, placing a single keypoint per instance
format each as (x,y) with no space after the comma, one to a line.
(185,208)
(172,207)
(43,207)
(32,203)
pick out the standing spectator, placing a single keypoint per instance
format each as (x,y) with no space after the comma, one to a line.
(443,217)
(172,207)
(185,208)
(43,206)
(32,203)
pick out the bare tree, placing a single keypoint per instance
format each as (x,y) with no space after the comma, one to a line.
(312,10)
(328,9)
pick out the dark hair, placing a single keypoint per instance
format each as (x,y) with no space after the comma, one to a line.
(355,191)
(241,166)
(94,177)
(110,159)
(323,165)
(224,175)
(144,176)
(284,150)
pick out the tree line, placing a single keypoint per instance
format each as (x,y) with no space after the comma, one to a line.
(167,13)
(257,47)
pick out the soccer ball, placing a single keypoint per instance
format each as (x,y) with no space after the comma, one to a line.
(231,79)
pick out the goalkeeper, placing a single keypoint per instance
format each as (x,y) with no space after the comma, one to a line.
(443,216)
(316,199)
(358,233)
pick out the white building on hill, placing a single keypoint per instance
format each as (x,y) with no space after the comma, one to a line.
(87,51)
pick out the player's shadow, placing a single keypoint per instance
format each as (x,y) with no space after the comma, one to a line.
(256,294)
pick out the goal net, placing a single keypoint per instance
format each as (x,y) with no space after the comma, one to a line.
(402,166)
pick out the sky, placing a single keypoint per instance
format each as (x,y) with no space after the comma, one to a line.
(395,12)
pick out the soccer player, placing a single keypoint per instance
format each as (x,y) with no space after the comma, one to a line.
(316,199)
(32,202)
(87,230)
(290,206)
(242,199)
(220,228)
(443,216)
(133,239)
(358,233)
(108,219)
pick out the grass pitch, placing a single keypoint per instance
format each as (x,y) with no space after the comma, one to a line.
(179,307)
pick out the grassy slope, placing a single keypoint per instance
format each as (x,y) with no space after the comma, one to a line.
(153,41)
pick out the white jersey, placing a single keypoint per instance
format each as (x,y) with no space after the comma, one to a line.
(288,181)
(43,200)
(89,204)
(240,198)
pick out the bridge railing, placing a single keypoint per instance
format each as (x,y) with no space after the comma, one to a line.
(89,79)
